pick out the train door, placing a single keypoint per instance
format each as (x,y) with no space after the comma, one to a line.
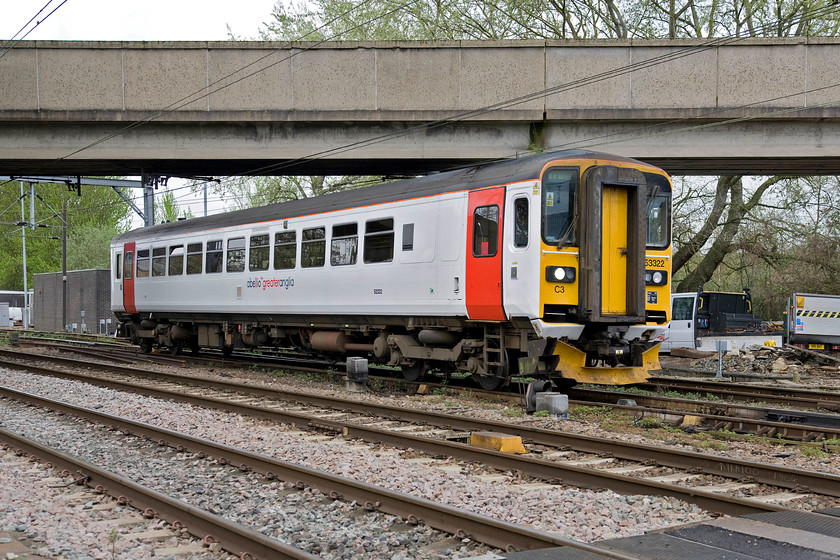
(128,278)
(612,245)
(116,279)
(484,255)
(614,250)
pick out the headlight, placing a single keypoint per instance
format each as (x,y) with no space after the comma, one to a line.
(656,277)
(560,274)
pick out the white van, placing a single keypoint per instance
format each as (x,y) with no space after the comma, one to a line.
(700,319)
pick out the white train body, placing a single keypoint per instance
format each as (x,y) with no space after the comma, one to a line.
(447,254)
(426,280)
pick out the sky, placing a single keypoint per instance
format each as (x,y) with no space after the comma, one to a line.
(125,20)
(146,20)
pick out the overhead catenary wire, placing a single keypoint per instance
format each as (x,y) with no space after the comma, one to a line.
(649,130)
(590,80)
(10,43)
(668,57)
(636,131)
(190,98)
(204,92)
(676,55)
(687,51)
(442,122)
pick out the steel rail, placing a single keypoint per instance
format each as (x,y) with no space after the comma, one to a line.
(775,475)
(450,519)
(723,411)
(128,355)
(781,395)
(538,468)
(806,433)
(116,354)
(233,537)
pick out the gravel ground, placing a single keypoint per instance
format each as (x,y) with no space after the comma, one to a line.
(304,519)
(570,512)
(46,519)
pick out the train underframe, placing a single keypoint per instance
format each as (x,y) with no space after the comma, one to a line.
(492,352)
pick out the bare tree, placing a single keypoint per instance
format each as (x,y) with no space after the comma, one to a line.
(720,212)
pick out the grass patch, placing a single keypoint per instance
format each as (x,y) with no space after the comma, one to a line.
(650,422)
(814,452)
(587,412)
(711,444)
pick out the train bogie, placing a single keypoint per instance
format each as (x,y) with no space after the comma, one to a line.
(555,265)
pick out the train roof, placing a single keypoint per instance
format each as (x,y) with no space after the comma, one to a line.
(495,173)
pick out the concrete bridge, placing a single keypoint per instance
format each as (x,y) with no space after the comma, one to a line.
(753,106)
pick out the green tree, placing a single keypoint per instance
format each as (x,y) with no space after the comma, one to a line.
(93,219)
(167,208)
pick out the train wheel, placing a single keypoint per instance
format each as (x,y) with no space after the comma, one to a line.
(497,377)
(194,347)
(489,382)
(177,347)
(414,371)
(145,345)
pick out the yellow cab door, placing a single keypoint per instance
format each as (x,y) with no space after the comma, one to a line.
(612,247)
(614,250)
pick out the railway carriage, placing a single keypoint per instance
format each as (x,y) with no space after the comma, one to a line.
(556,265)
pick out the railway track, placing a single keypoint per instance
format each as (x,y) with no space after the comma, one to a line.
(579,460)
(714,415)
(233,537)
(240,540)
(792,424)
(747,392)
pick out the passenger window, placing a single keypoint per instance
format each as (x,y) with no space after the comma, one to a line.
(118,267)
(520,222)
(129,265)
(344,245)
(159,261)
(408,237)
(313,247)
(213,262)
(176,260)
(285,250)
(379,241)
(258,255)
(142,263)
(194,256)
(236,254)
(485,231)
(683,309)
